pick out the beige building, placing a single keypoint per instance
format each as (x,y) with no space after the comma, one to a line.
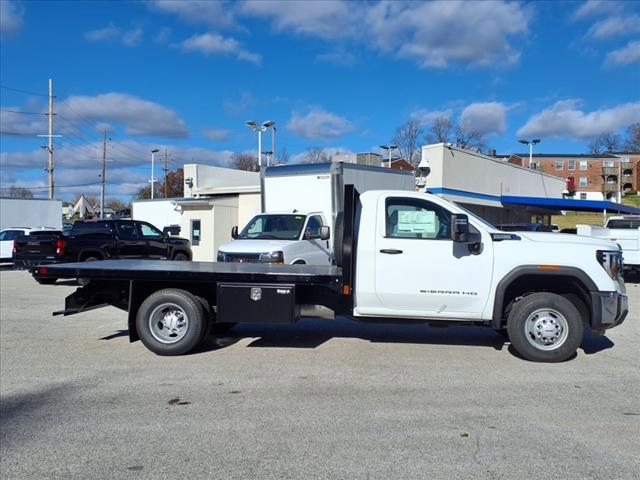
(216,199)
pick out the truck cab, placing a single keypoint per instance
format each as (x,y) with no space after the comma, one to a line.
(293,237)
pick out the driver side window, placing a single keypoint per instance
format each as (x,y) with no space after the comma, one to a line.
(417,219)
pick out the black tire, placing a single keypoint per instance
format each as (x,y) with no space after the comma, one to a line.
(193,331)
(45,281)
(557,325)
(182,257)
(208,317)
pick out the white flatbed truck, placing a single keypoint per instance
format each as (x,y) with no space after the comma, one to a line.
(399,257)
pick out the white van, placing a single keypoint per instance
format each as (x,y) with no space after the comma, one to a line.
(300,205)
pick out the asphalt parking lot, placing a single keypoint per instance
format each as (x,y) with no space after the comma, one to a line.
(315,400)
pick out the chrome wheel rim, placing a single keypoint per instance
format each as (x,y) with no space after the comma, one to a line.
(168,323)
(546,329)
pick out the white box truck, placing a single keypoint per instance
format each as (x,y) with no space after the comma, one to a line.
(623,230)
(300,207)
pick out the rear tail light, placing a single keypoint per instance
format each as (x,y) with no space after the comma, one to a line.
(61,245)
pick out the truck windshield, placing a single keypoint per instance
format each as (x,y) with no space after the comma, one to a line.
(274,227)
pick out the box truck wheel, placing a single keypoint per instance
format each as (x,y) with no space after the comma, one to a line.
(171,322)
(545,327)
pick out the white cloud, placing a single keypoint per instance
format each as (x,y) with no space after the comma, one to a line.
(10,18)
(112,33)
(594,8)
(427,117)
(139,117)
(615,26)
(627,55)
(485,118)
(81,164)
(565,119)
(215,14)
(216,134)
(434,34)
(324,19)
(319,124)
(214,44)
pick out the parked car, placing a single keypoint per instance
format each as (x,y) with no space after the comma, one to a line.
(8,235)
(623,230)
(100,240)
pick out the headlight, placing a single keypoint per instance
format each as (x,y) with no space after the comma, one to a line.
(611,261)
(272,257)
(222,257)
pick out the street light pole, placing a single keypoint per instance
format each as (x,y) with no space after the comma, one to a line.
(153,152)
(253,125)
(531,143)
(389,149)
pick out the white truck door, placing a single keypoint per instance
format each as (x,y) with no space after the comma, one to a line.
(419,270)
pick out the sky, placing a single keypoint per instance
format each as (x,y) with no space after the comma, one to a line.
(186,76)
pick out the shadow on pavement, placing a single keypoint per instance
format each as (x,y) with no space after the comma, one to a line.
(311,333)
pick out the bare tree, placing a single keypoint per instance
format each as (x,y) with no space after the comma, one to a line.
(605,142)
(245,161)
(441,130)
(283,157)
(632,142)
(19,192)
(407,137)
(316,155)
(470,139)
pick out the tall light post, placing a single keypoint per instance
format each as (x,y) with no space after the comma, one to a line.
(253,125)
(272,125)
(389,149)
(531,143)
(153,180)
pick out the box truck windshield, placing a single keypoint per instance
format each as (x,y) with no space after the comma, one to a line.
(274,227)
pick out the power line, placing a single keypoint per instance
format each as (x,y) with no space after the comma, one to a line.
(23,113)
(24,91)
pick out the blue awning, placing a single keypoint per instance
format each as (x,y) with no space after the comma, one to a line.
(571,204)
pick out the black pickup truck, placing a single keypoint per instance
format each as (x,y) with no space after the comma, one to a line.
(99,240)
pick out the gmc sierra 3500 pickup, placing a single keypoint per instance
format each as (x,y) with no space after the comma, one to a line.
(399,257)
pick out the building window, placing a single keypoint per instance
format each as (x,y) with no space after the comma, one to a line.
(572,164)
(583,196)
(195,232)
(583,181)
(583,165)
(608,163)
(559,164)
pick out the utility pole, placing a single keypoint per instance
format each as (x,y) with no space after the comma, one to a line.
(166,169)
(104,173)
(50,139)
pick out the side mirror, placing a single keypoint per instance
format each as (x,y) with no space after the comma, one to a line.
(459,228)
(325,233)
(234,232)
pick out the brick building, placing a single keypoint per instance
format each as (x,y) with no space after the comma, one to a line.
(592,176)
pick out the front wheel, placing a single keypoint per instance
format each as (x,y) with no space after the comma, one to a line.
(180,257)
(545,327)
(171,322)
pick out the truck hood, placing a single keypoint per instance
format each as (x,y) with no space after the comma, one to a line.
(255,246)
(548,237)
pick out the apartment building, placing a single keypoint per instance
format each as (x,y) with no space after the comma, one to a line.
(591,177)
